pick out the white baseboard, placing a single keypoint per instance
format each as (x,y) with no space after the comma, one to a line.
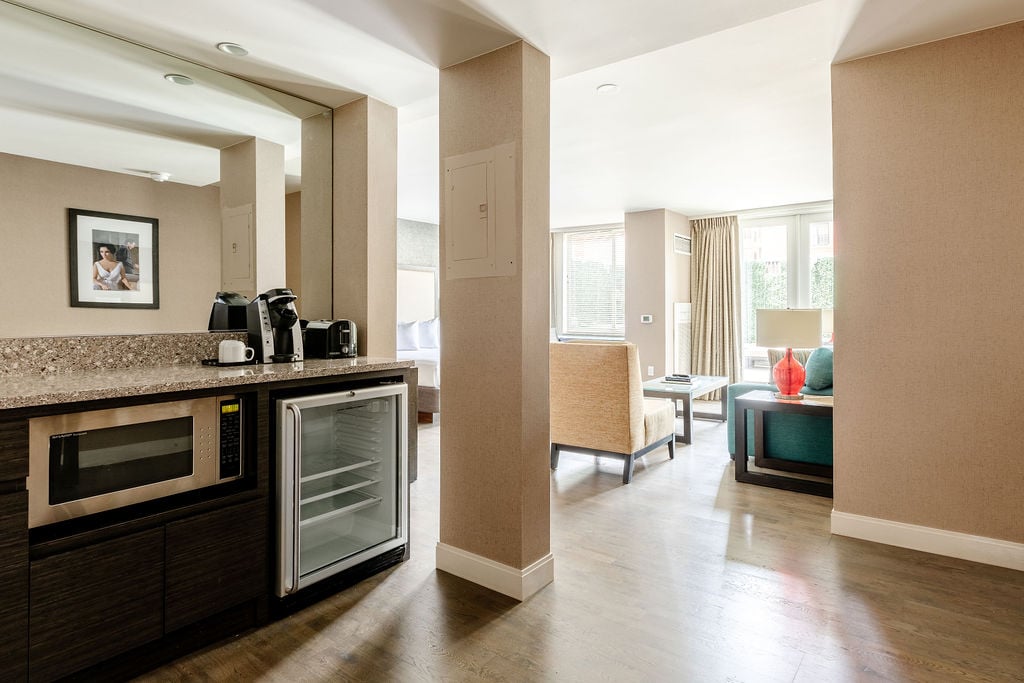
(515,583)
(938,541)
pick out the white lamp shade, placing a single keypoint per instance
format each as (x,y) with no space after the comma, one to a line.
(789,328)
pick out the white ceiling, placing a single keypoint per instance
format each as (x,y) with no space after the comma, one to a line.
(722,105)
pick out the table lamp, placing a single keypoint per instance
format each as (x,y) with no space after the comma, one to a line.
(788,328)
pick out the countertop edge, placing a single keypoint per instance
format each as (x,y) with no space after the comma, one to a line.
(26,391)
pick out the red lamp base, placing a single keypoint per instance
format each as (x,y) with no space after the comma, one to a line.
(789,377)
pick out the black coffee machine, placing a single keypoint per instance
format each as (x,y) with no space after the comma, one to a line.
(273,325)
(229,313)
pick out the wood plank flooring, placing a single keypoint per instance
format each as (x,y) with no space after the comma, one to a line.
(683,575)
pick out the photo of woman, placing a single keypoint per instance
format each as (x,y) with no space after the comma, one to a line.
(112,260)
(108,273)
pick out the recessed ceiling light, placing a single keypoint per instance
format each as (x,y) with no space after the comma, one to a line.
(232,49)
(160,176)
(607,88)
(179,79)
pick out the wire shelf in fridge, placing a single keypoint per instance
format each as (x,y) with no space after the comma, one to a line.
(339,462)
(336,506)
(342,482)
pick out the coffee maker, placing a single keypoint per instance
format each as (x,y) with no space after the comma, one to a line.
(273,325)
(229,313)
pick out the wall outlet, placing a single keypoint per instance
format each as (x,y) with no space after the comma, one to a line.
(650,371)
(646,319)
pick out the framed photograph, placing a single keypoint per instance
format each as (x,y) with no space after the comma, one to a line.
(113,260)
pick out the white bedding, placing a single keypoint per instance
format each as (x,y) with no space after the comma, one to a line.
(429,363)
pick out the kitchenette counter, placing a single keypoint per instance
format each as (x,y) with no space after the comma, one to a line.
(113,590)
(26,390)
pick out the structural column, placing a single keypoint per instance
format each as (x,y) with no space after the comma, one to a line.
(315,275)
(366,222)
(656,279)
(252,208)
(495,273)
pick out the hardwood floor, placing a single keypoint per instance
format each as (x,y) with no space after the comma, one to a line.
(683,575)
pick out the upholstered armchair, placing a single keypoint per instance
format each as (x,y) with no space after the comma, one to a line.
(598,406)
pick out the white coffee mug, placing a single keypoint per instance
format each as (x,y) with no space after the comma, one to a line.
(232,351)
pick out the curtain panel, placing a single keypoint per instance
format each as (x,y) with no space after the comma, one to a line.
(715,284)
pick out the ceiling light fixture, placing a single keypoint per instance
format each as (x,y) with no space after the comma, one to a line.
(160,176)
(607,88)
(179,79)
(232,49)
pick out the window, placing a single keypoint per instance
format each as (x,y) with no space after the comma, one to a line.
(593,278)
(786,262)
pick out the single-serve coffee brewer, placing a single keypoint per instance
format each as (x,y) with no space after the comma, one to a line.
(273,325)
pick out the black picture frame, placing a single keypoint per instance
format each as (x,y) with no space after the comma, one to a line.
(133,241)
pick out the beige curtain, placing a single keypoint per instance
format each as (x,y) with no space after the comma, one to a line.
(715,286)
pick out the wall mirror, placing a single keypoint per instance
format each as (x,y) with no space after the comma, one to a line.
(78,96)
(81,98)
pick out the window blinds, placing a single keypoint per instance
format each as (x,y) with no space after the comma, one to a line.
(595,283)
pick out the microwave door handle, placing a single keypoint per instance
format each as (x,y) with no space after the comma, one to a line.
(291,489)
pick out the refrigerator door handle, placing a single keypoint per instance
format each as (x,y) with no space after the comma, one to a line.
(290,490)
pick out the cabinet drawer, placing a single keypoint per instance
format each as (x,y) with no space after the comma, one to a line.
(215,561)
(90,604)
(13,586)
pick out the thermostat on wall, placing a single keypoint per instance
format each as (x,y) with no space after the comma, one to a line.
(647,318)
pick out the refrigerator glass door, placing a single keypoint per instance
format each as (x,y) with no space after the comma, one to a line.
(344,461)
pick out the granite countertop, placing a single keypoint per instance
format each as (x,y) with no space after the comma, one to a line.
(20,391)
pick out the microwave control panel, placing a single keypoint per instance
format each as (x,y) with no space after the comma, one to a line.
(230,439)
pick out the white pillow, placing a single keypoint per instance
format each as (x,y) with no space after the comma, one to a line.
(430,334)
(408,336)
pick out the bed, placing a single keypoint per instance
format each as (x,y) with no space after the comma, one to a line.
(428,396)
(419,332)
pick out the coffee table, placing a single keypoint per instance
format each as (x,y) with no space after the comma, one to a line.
(759,403)
(685,393)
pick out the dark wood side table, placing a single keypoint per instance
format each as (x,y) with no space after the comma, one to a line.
(761,402)
(685,393)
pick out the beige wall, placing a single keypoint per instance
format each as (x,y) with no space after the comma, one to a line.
(366,222)
(34,198)
(494,425)
(316,281)
(678,224)
(929,209)
(656,278)
(293,243)
(646,276)
(252,172)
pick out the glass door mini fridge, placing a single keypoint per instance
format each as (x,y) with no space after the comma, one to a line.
(343,474)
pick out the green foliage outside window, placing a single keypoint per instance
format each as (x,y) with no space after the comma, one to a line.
(767,290)
(823,283)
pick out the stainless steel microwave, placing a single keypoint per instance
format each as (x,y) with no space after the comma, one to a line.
(83,463)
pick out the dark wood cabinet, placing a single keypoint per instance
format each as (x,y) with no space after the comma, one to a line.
(215,561)
(89,604)
(13,586)
(14,451)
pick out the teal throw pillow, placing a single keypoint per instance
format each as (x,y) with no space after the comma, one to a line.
(819,369)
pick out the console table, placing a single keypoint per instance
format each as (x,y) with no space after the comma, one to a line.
(684,393)
(761,402)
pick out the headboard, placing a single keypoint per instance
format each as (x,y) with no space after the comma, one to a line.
(417,293)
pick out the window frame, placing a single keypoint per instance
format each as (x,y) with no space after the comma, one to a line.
(800,240)
(560,274)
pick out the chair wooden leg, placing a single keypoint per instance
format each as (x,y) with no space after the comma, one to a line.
(672,449)
(554,456)
(627,469)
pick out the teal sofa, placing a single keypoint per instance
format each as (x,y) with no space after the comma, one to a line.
(802,438)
